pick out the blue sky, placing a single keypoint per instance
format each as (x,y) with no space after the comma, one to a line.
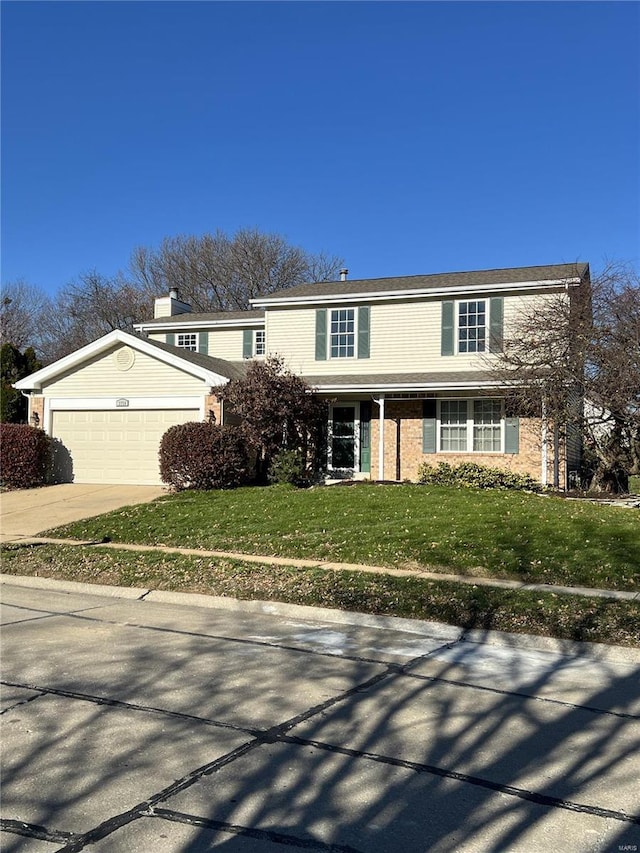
(405,137)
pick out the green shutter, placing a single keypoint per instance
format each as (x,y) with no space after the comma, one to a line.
(363,331)
(171,338)
(429,426)
(447,328)
(247,343)
(496,314)
(321,334)
(203,343)
(512,435)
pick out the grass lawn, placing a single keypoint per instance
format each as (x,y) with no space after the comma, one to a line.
(480,533)
(563,616)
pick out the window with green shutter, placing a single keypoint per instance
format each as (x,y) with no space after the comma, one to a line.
(321,334)
(429,425)
(447,329)
(247,343)
(363,331)
(496,315)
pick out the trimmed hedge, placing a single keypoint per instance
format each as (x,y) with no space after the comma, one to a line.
(204,456)
(25,456)
(470,474)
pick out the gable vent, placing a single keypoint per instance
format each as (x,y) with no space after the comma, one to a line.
(124,358)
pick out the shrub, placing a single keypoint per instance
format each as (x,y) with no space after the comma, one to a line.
(470,474)
(204,456)
(288,467)
(25,456)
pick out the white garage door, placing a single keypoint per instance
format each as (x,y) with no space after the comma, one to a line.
(116,446)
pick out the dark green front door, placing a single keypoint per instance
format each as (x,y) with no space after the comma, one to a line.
(365,437)
(343,438)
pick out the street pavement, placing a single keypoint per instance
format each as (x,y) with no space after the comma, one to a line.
(137,725)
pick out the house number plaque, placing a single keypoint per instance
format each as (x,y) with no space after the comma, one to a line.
(122,403)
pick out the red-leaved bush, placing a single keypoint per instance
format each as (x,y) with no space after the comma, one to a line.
(204,456)
(25,456)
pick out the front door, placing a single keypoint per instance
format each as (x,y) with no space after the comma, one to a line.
(343,437)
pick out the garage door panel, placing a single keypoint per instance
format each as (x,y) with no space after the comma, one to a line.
(116,446)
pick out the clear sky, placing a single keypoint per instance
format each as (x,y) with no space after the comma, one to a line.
(405,137)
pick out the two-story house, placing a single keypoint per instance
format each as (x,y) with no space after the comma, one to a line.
(405,363)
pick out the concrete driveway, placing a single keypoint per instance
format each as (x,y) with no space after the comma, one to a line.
(26,512)
(134,725)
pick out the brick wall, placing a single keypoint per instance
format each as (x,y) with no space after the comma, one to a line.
(403,431)
(36,406)
(212,404)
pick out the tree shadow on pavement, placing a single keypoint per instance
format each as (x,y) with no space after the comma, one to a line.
(126,730)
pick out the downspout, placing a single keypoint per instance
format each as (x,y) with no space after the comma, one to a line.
(380,403)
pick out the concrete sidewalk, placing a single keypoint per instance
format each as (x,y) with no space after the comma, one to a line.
(295,562)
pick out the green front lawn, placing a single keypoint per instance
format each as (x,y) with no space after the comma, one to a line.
(480,533)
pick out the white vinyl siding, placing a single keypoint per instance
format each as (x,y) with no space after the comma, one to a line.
(405,337)
(221,343)
(148,377)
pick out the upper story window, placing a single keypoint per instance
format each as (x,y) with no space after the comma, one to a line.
(187,341)
(343,333)
(254,342)
(472,326)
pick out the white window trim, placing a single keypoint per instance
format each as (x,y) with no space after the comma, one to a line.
(257,332)
(469,425)
(192,346)
(355,335)
(487,326)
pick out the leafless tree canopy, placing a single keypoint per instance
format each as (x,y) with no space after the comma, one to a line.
(215,272)
(21,306)
(564,352)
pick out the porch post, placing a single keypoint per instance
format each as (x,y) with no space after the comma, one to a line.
(545,443)
(381,437)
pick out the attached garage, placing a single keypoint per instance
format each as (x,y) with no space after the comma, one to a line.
(118,446)
(110,403)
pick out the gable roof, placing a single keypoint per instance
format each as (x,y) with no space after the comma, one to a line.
(213,371)
(519,277)
(252,316)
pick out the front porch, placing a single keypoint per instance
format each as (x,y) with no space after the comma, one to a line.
(388,436)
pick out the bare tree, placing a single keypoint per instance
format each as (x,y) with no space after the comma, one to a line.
(88,308)
(578,360)
(215,272)
(22,306)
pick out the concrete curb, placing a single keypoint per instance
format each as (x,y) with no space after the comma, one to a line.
(296,562)
(436,630)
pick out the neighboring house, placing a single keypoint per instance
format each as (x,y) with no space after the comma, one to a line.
(405,363)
